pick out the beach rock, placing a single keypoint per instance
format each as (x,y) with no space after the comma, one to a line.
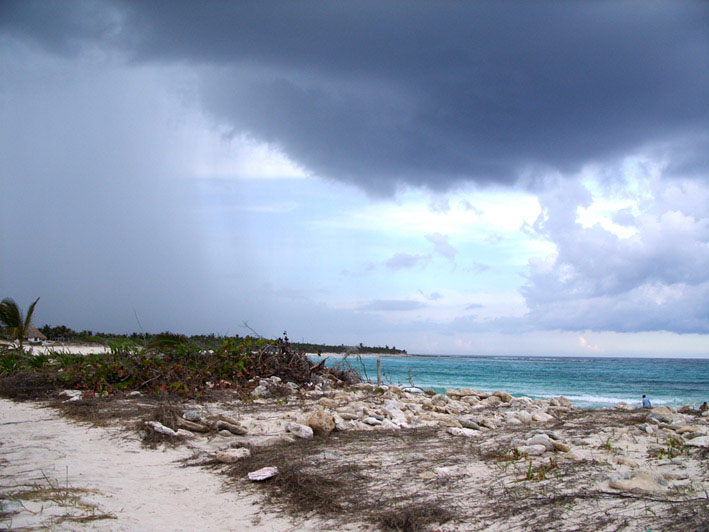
(327,402)
(349,416)
(261,391)
(301,431)
(461,392)
(455,431)
(560,446)
(182,433)
(72,395)
(228,419)
(237,430)
(662,413)
(563,401)
(189,425)
(487,422)
(705,413)
(230,456)
(684,409)
(393,410)
(439,400)
(541,439)
(504,396)
(493,400)
(390,425)
(192,415)
(263,474)
(321,422)
(413,390)
(371,421)
(638,482)
(524,416)
(541,417)
(532,450)
(622,405)
(468,423)
(701,441)
(471,400)
(10,507)
(520,402)
(160,428)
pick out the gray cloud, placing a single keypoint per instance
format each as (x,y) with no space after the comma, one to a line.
(393,305)
(406,260)
(442,246)
(420,93)
(657,279)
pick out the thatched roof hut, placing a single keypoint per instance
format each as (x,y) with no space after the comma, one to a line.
(33,334)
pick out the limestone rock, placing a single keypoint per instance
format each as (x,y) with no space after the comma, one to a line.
(638,482)
(321,422)
(237,430)
(228,419)
(504,396)
(371,421)
(541,439)
(327,402)
(532,450)
(487,422)
(455,431)
(468,423)
(261,391)
(230,456)
(301,431)
(662,413)
(563,401)
(560,446)
(493,400)
(160,428)
(192,415)
(524,416)
(72,395)
(701,441)
(541,416)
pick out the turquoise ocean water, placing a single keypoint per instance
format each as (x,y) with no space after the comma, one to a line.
(586,382)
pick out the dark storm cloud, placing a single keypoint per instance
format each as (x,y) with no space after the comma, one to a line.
(423,93)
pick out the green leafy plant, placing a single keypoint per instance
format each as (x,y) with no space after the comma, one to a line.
(16,325)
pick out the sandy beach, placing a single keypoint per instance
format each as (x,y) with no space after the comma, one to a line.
(354,459)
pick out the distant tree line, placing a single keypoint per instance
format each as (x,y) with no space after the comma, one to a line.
(206,341)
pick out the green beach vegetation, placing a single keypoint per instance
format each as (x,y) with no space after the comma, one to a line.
(165,364)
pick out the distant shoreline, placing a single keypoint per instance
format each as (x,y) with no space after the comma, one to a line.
(355,355)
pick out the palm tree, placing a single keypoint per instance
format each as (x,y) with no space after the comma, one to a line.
(11,317)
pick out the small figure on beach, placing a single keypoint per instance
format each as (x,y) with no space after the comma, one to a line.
(646,402)
(703,407)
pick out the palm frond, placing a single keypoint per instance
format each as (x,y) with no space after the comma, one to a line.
(28,316)
(10,313)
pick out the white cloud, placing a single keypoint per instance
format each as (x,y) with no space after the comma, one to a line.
(652,275)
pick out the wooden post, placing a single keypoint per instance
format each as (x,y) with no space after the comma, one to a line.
(379,373)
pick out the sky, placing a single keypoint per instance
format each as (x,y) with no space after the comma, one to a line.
(485,178)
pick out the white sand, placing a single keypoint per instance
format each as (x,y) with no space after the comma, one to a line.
(75,349)
(143,489)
